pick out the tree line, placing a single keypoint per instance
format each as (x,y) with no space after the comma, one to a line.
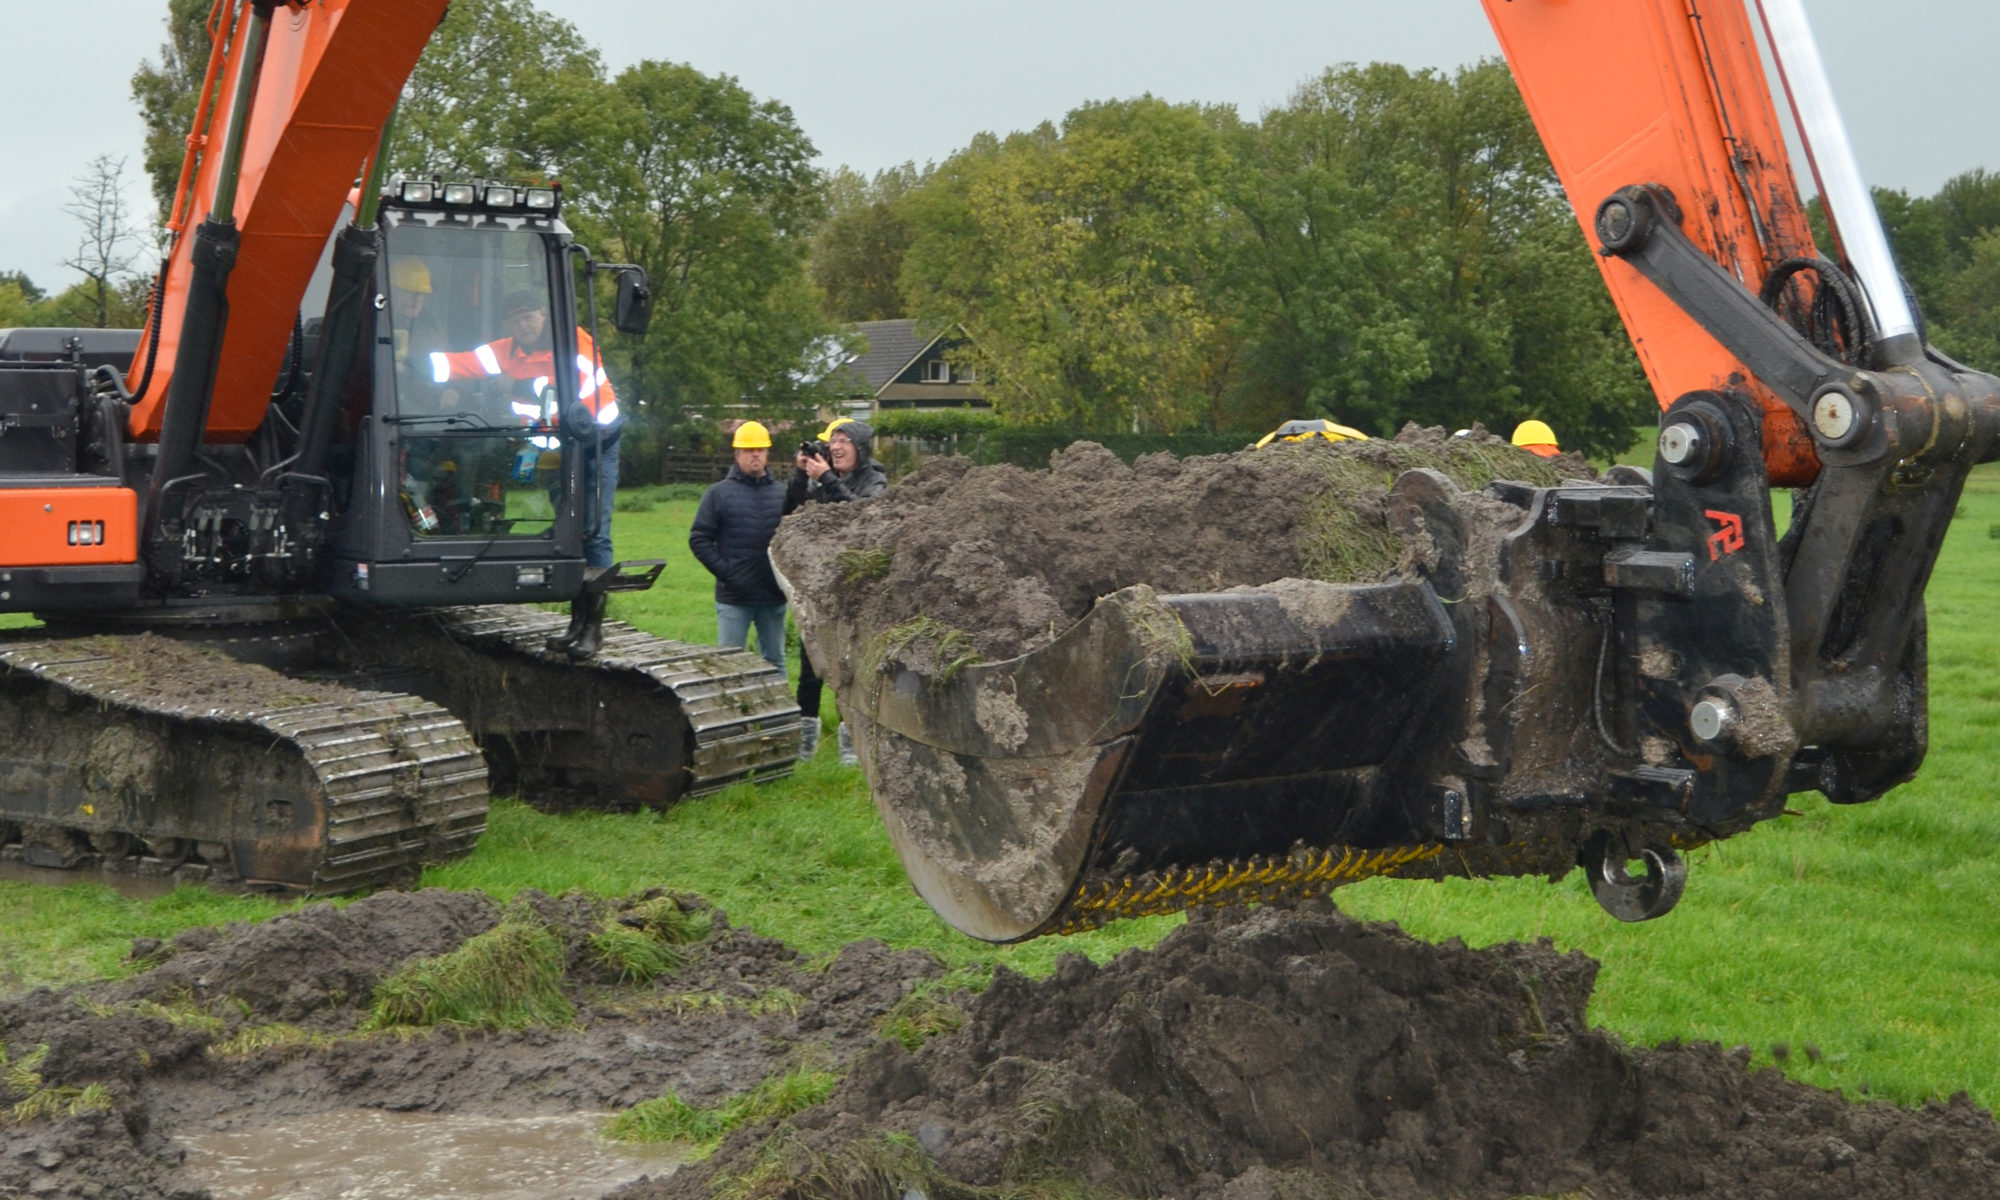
(1388,246)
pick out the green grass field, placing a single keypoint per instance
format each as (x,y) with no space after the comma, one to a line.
(1860,940)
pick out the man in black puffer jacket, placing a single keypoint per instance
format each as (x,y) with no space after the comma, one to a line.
(731,536)
(844,472)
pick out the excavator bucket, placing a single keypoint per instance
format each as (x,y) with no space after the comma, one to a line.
(1451,716)
(1162,751)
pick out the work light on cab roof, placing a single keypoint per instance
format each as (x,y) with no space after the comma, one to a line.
(541,200)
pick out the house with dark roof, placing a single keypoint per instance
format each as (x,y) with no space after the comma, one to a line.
(902,369)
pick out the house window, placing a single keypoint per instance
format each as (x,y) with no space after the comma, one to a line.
(937,371)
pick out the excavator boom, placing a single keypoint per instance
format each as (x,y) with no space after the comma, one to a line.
(1672,95)
(324,78)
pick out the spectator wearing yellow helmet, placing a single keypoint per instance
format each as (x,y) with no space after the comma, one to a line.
(1536,438)
(731,536)
(831,470)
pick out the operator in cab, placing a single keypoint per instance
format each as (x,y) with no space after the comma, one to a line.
(526,356)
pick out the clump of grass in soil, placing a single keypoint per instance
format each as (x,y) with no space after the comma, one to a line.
(919,1016)
(666,919)
(634,955)
(285,1040)
(1053,1126)
(1340,545)
(1160,628)
(509,977)
(39,1103)
(651,939)
(949,645)
(671,1119)
(860,565)
(765,1003)
(891,1164)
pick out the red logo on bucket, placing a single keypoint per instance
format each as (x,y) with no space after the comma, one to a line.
(1728,537)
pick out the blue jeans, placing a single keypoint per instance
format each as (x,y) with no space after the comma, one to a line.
(597,529)
(734,621)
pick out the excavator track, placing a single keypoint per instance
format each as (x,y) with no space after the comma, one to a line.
(334,753)
(645,722)
(143,750)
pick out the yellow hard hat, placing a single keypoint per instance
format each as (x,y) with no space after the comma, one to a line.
(1304,430)
(752,436)
(411,275)
(1533,433)
(834,424)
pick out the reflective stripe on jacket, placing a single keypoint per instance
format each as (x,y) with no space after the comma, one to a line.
(504,357)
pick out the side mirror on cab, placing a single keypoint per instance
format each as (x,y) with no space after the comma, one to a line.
(635,301)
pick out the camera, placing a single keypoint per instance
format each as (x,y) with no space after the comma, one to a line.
(815,450)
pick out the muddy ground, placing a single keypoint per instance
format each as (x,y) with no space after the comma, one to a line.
(232,1027)
(1254,1053)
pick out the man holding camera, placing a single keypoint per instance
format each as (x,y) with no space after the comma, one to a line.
(834,468)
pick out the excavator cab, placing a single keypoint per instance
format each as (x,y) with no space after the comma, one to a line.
(455,475)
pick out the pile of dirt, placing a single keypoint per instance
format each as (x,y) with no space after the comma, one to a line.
(1282,1053)
(1299,1055)
(996,561)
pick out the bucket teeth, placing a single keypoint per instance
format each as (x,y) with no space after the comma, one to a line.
(1302,875)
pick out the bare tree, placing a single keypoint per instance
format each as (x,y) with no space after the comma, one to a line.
(104,252)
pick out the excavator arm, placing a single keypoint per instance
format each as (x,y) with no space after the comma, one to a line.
(1606,675)
(295,104)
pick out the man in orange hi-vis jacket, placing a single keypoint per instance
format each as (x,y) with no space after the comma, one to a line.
(527,357)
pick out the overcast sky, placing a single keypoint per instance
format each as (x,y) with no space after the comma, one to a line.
(877,82)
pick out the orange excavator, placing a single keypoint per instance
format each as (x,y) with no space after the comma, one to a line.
(286,547)
(1611,674)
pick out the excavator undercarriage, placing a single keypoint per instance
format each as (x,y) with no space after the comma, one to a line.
(333,753)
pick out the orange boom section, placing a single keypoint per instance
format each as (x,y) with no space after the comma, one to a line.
(1669,92)
(331,73)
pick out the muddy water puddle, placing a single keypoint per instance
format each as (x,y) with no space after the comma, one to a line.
(368,1154)
(131,885)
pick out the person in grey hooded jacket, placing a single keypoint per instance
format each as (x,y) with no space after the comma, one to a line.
(845,472)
